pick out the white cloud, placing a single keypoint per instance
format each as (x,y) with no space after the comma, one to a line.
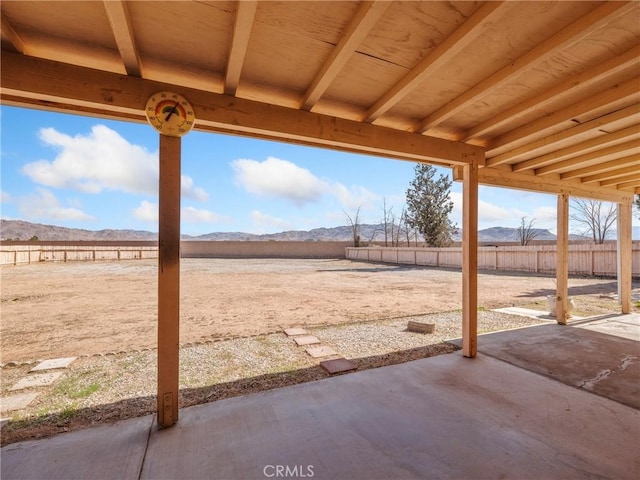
(188,190)
(195,215)
(489,214)
(102,160)
(4,197)
(279,178)
(283,179)
(545,217)
(45,205)
(147,212)
(354,197)
(264,222)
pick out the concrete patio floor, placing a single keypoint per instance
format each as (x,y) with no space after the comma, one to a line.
(442,417)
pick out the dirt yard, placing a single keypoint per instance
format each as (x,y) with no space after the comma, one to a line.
(70,309)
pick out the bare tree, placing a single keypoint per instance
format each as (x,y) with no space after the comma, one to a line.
(637,202)
(354,222)
(526,233)
(595,217)
(387,219)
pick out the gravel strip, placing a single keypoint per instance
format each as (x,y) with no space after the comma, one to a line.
(107,388)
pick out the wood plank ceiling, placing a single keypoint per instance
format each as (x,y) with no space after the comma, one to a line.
(549,91)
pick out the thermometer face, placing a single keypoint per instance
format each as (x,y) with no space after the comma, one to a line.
(170,114)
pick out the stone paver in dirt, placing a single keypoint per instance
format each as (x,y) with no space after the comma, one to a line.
(306,340)
(321,351)
(16,402)
(338,365)
(36,380)
(53,364)
(290,332)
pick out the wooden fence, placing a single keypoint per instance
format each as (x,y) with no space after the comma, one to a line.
(598,260)
(14,254)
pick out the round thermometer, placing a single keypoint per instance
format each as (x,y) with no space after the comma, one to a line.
(170,114)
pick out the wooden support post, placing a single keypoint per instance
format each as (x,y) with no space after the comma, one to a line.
(624,255)
(470,260)
(562,260)
(169,281)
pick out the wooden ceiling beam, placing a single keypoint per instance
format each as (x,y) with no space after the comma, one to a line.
(632,179)
(33,82)
(245,13)
(620,150)
(570,85)
(631,186)
(464,35)
(602,141)
(622,92)
(622,172)
(577,131)
(8,31)
(569,35)
(522,181)
(601,167)
(120,22)
(361,24)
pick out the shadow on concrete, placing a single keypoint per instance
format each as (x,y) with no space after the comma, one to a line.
(609,288)
(67,420)
(602,363)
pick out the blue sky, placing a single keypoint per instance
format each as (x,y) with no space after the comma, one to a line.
(92,173)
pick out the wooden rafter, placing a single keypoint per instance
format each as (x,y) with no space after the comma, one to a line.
(601,141)
(245,13)
(575,132)
(361,24)
(120,21)
(569,35)
(623,180)
(548,184)
(11,35)
(625,91)
(614,173)
(619,150)
(602,167)
(569,85)
(630,186)
(28,81)
(440,55)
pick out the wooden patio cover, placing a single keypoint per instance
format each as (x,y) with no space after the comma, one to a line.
(542,96)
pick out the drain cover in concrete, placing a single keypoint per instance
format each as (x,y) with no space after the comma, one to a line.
(306,340)
(338,365)
(53,364)
(322,351)
(37,380)
(295,331)
(16,402)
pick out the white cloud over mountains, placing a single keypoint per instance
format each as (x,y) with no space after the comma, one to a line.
(102,160)
(283,179)
(264,222)
(492,215)
(279,178)
(148,212)
(45,205)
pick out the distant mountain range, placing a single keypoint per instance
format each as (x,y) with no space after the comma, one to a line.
(21,230)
